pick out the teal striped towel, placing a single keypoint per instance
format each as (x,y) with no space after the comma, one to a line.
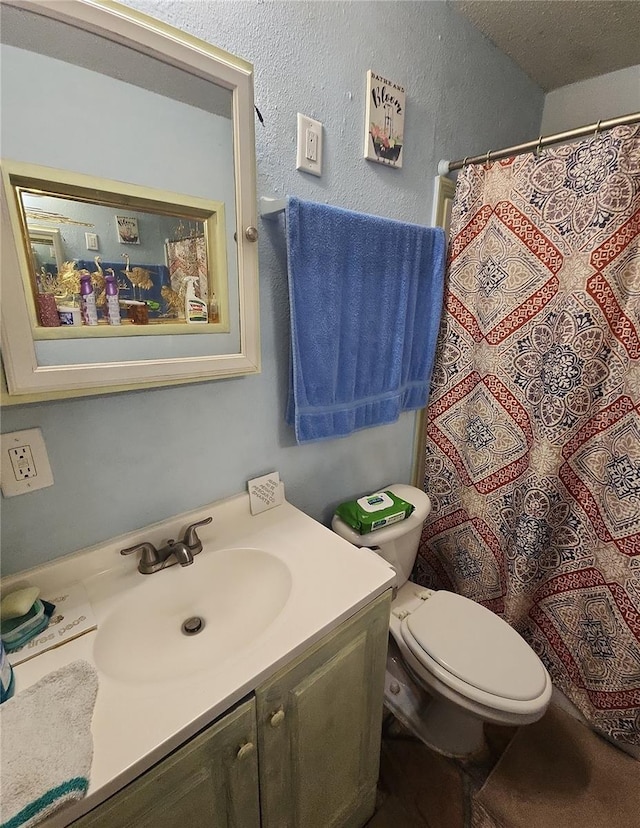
(47,745)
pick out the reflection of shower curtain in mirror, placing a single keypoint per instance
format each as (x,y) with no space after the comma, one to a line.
(533,425)
(188,258)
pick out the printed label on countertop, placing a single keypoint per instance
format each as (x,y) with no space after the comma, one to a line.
(72,617)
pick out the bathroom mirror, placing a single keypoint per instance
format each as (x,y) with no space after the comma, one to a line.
(151,244)
(136,162)
(46,247)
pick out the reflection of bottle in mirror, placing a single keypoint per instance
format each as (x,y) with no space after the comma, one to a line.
(195,309)
(137,311)
(88,301)
(113,303)
(69,315)
(214,312)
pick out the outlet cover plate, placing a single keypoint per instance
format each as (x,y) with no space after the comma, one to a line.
(265,492)
(25,464)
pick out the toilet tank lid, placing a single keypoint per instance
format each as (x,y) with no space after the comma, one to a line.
(477,646)
(419,500)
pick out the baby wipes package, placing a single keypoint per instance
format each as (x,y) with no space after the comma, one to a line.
(374,511)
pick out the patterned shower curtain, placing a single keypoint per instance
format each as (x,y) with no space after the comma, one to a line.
(187,258)
(533,425)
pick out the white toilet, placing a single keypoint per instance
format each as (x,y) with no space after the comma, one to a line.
(473,666)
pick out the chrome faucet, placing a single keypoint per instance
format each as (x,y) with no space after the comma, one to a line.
(182,552)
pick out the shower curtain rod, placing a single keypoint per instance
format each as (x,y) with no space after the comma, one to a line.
(448,166)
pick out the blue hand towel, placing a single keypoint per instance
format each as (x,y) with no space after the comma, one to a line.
(365,297)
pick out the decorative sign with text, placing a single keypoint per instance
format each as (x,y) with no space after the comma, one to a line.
(384,121)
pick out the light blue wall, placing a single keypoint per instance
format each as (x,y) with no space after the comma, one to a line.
(592,100)
(101,219)
(124,461)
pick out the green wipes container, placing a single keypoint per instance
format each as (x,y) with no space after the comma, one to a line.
(374,511)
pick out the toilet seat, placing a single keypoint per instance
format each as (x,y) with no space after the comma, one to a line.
(472,644)
(457,620)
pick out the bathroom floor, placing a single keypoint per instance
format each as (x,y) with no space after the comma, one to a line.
(553,774)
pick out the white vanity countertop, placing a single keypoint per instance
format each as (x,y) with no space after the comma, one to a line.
(134,724)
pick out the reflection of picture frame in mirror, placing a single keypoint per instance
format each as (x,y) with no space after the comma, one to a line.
(127,227)
(71,202)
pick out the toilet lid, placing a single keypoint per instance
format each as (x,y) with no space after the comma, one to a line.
(477,646)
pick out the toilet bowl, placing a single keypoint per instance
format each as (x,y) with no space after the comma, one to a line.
(452,663)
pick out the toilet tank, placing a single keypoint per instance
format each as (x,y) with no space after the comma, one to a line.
(397,544)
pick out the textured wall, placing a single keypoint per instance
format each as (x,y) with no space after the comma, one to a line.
(123,461)
(590,101)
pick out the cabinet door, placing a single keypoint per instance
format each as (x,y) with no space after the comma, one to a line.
(211,782)
(319,724)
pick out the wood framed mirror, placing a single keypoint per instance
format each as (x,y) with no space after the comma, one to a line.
(140,166)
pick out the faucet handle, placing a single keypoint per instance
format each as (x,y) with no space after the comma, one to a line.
(191,538)
(149,552)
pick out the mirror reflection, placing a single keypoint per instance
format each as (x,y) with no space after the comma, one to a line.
(128,182)
(140,263)
(132,123)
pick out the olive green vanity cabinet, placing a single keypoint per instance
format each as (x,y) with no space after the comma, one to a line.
(211,782)
(302,753)
(319,726)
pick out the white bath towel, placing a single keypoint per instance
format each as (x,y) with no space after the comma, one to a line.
(47,745)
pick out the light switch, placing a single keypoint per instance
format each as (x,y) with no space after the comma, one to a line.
(309,157)
(91,240)
(312,145)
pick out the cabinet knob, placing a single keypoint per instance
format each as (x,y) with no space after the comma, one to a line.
(277,718)
(245,750)
(251,233)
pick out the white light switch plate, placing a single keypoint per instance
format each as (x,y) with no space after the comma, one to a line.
(265,492)
(91,240)
(25,464)
(309,157)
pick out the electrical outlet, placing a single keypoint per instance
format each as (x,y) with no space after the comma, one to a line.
(265,492)
(25,465)
(22,461)
(309,158)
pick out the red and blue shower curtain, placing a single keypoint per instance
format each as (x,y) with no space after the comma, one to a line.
(533,426)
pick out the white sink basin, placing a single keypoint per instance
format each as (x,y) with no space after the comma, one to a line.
(238,593)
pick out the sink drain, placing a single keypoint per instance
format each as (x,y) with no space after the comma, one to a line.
(192,626)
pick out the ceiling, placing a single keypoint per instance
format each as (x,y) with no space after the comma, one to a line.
(558,42)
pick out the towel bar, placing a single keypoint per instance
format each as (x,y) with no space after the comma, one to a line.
(270,208)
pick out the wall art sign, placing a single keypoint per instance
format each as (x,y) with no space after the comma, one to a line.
(127,230)
(384,121)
